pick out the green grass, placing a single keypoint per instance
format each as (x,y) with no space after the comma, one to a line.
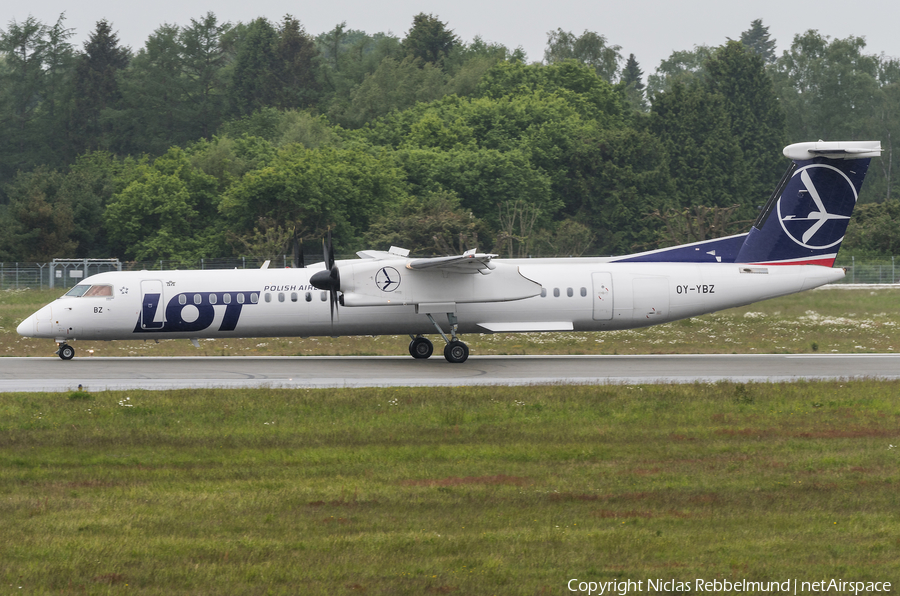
(431,491)
(830,320)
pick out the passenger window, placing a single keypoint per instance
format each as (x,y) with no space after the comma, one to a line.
(280,296)
(309,296)
(293,296)
(570,292)
(556,292)
(213,299)
(254,298)
(268,297)
(226,298)
(182,299)
(198,298)
(324,296)
(543,292)
(583,292)
(241,298)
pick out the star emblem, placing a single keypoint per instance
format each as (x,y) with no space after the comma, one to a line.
(123,290)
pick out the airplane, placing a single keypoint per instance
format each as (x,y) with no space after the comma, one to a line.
(791,247)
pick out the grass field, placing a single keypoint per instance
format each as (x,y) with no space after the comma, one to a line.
(436,491)
(830,320)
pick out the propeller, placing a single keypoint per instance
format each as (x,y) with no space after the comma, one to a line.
(329,279)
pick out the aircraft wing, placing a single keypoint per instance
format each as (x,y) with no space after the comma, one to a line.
(468,262)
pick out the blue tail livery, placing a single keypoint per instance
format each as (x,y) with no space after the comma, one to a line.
(802,223)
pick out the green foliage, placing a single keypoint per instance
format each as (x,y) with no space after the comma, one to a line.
(35,60)
(615,178)
(632,78)
(435,224)
(681,66)
(873,230)
(314,190)
(590,49)
(395,85)
(757,40)
(429,40)
(757,120)
(254,67)
(39,224)
(827,87)
(452,119)
(96,91)
(483,179)
(165,213)
(696,131)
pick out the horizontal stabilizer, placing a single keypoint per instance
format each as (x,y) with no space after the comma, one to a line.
(833,150)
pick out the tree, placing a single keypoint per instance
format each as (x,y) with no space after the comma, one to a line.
(395,85)
(254,69)
(429,40)
(168,212)
(313,191)
(154,94)
(827,88)
(684,66)
(23,48)
(431,225)
(295,75)
(203,61)
(34,61)
(704,161)
(873,230)
(632,77)
(589,48)
(96,88)
(40,225)
(757,40)
(757,120)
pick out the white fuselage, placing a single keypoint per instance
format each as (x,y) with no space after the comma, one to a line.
(577,294)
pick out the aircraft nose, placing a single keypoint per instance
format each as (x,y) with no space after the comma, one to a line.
(26,327)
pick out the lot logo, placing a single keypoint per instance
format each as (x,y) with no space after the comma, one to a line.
(387,279)
(192,311)
(818,229)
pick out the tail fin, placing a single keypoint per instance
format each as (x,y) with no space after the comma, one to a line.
(804,221)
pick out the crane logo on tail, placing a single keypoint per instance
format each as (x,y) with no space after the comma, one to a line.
(807,230)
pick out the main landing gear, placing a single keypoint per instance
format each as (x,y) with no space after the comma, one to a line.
(65,351)
(455,351)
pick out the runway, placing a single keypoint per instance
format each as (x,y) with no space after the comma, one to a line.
(97,374)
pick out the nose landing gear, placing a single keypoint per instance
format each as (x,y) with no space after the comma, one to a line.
(65,351)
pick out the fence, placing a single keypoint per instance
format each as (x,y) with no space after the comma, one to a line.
(65,273)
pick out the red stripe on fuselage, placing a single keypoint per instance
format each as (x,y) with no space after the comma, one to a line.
(827,262)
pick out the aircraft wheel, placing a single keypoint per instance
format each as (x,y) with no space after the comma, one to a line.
(456,352)
(421,347)
(66,352)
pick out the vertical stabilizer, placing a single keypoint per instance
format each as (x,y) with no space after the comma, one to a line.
(806,218)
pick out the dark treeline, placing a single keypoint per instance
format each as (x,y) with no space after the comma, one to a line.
(219,139)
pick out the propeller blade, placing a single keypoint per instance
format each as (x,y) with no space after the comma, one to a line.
(329,279)
(329,251)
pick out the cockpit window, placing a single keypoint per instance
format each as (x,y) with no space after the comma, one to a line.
(99,291)
(88,291)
